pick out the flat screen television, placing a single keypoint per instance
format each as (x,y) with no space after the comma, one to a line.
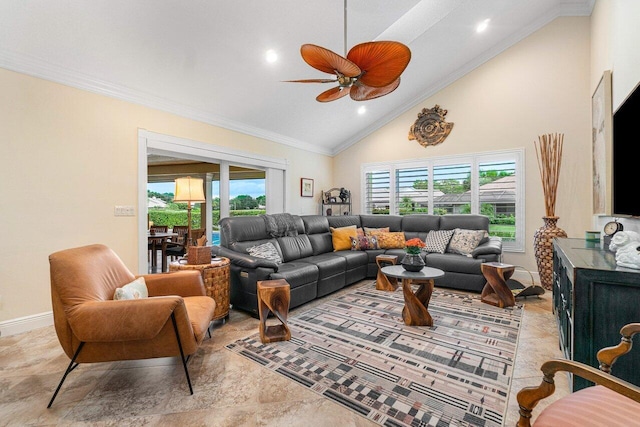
(625,161)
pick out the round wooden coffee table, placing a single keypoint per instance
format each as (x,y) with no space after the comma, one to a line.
(415,311)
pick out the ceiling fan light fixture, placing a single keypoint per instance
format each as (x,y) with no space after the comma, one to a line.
(483,26)
(370,70)
(271,56)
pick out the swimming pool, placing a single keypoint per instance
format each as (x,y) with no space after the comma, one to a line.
(215,238)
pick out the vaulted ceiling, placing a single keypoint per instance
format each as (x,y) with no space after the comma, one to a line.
(205,60)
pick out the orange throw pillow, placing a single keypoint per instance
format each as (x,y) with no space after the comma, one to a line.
(393,240)
(375,231)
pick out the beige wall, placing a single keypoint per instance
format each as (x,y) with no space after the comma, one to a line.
(69,156)
(541,85)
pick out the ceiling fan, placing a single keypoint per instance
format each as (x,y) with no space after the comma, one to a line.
(370,70)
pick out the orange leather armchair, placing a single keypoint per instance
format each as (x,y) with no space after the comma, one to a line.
(93,327)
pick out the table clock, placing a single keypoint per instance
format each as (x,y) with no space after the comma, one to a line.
(610,228)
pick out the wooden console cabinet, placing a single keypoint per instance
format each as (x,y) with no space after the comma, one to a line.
(592,300)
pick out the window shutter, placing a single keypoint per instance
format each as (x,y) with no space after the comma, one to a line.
(377,192)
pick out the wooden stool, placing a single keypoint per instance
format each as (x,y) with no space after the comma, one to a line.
(273,296)
(496,292)
(384,283)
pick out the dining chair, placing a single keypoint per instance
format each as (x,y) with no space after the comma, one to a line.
(176,246)
(155,242)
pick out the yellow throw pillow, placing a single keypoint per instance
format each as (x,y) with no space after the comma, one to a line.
(340,237)
(393,240)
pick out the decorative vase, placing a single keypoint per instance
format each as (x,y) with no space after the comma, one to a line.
(412,262)
(543,247)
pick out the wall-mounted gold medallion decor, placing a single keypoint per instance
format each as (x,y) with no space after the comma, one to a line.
(430,127)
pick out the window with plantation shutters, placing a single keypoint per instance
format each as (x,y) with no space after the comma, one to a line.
(452,188)
(489,183)
(498,196)
(412,190)
(377,191)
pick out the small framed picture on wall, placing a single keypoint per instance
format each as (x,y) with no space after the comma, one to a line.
(306,187)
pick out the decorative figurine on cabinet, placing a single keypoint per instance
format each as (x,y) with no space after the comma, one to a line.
(344,195)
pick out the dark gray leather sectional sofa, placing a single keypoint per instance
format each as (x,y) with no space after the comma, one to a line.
(313,269)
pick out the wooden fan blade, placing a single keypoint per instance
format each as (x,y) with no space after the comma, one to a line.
(381,62)
(360,92)
(327,61)
(312,81)
(332,94)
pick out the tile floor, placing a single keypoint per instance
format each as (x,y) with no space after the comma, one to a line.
(229,390)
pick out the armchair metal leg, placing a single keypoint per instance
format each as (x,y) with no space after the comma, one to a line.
(184,361)
(71,367)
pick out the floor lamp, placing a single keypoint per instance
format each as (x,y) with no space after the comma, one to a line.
(189,190)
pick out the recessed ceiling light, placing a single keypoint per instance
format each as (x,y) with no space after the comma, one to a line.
(482,26)
(271,56)
(362,110)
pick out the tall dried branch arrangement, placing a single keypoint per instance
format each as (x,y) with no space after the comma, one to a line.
(549,155)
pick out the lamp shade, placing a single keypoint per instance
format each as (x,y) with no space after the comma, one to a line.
(189,190)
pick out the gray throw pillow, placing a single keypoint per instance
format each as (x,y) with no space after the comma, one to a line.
(266,251)
(437,240)
(465,241)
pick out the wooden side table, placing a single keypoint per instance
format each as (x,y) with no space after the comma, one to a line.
(384,283)
(496,292)
(274,297)
(216,281)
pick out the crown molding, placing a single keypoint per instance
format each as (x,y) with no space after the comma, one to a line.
(41,69)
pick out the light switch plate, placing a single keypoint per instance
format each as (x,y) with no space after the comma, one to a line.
(124,211)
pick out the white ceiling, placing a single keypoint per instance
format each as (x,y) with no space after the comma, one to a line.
(206,59)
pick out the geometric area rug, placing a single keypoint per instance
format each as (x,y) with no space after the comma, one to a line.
(355,350)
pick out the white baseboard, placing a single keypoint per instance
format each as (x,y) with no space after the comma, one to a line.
(35,321)
(26,324)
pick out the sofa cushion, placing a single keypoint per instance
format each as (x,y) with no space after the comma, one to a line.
(469,222)
(328,264)
(364,243)
(321,243)
(437,241)
(240,229)
(266,251)
(337,221)
(454,263)
(295,247)
(340,237)
(394,240)
(297,273)
(464,241)
(419,225)
(394,222)
(355,259)
(314,224)
(317,228)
